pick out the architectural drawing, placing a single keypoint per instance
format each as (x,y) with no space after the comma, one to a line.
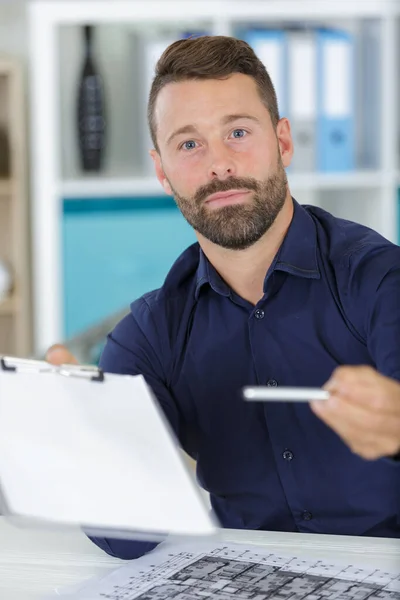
(235,572)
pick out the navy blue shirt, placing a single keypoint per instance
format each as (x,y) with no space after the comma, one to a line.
(331,297)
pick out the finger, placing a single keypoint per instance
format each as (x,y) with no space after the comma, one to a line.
(381,448)
(366,387)
(368,446)
(356,423)
(60,355)
(345,378)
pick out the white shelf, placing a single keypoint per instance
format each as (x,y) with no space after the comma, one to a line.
(292,10)
(332,181)
(107,186)
(234,10)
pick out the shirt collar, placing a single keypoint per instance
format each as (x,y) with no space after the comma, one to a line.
(298,252)
(207,274)
(297,255)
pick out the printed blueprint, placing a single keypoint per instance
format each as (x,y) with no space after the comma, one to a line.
(239,572)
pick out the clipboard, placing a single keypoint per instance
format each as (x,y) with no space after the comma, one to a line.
(80,447)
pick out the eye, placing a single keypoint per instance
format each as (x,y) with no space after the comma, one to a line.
(239,133)
(189,145)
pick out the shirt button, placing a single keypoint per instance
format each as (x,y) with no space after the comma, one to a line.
(259,314)
(306,515)
(272,383)
(288,455)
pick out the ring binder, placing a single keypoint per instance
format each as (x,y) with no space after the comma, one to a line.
(19,365)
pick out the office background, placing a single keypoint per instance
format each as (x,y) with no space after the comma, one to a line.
(93,242)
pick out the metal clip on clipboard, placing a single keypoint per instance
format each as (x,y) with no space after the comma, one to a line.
(24,365)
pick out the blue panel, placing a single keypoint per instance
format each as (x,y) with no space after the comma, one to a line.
(398,224)
(114,251)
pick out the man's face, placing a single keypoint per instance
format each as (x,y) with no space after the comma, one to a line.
(220,158)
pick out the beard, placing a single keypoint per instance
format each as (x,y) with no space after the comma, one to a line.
(238,226)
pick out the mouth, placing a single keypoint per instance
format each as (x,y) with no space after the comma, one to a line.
(227,198)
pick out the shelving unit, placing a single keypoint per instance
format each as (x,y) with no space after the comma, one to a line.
(15,309)
(370,197)
(6,187)
(106,186)
(8,307)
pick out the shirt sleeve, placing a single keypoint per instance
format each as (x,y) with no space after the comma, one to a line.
(133,348)
(373,303)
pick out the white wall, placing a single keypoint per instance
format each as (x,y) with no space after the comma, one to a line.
(14,28)
(14,42)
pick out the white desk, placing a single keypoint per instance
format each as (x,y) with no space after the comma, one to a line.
(35,562)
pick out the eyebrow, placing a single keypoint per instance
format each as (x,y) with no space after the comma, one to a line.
(230,118)
(181,131)
(225,121)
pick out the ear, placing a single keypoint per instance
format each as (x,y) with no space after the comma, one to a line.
(284,135)
(160,172)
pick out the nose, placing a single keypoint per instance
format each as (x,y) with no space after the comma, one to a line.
(222,164)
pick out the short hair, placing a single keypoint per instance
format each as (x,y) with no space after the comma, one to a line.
(210,57)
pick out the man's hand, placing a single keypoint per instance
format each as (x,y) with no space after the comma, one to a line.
(364,410)
(60,355)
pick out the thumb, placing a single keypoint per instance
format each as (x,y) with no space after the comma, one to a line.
(60,355)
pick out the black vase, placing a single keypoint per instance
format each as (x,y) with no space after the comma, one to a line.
(90,110)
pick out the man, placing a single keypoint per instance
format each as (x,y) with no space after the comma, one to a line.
(273,294)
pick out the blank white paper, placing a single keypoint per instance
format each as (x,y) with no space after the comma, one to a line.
(75,451)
